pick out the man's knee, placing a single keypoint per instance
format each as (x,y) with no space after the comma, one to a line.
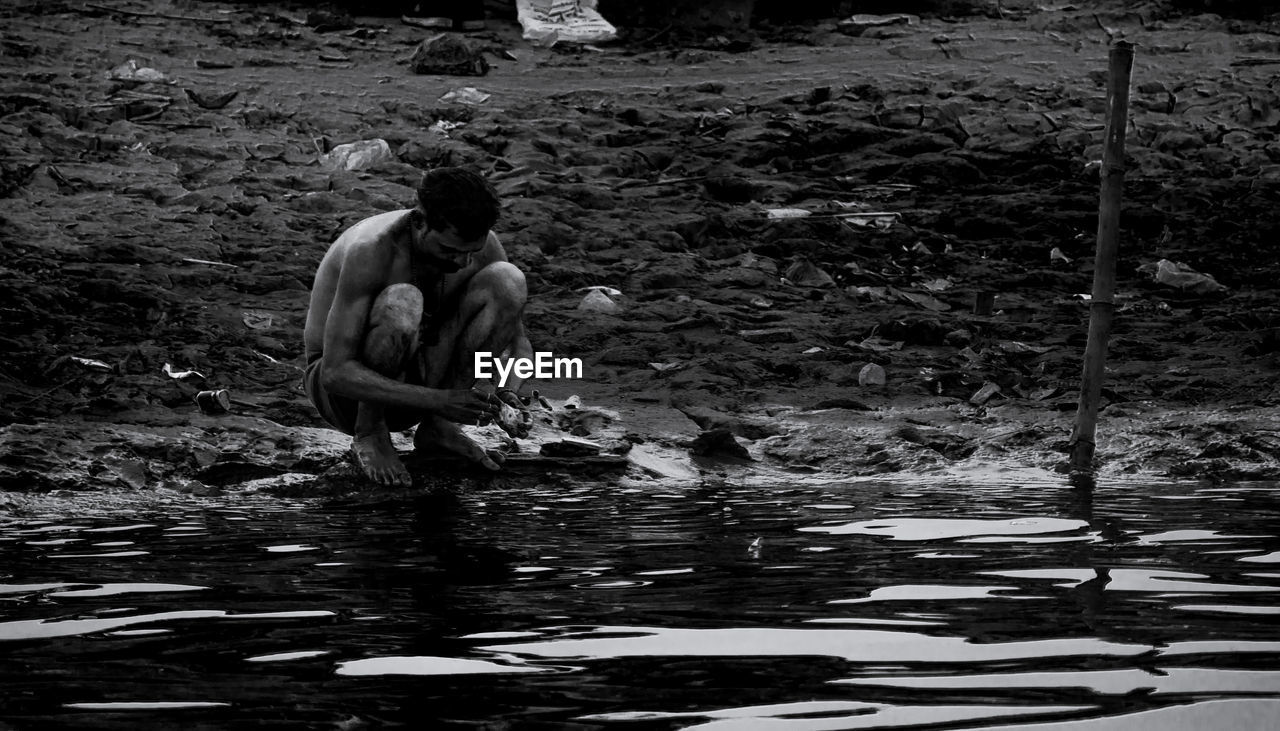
(398,307)
(503,284)
(392,331)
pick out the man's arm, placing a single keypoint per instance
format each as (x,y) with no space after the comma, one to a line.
(361,281)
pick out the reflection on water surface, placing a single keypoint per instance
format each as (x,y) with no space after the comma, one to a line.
(868,605)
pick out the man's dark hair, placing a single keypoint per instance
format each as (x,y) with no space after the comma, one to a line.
(458,197)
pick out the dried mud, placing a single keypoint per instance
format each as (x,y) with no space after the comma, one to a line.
(179,221)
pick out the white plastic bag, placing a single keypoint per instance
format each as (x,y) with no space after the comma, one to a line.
(548,22)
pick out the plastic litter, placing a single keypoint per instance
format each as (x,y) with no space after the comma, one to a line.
(548,22)
(134,72)
(180,375)
(357,155)
(780,213)
(1181,276)
(870,219)
(466,95)
(91,363)
(610,291)
(255,320)
(444,126)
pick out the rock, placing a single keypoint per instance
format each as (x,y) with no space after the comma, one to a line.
(984,394)
(710,420)
(211,101)
(718,443)
(731,188)
(448,55)
(871,375)
(597,301)
(570,448)
(804,273)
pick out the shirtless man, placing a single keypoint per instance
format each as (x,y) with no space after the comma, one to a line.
(401,303)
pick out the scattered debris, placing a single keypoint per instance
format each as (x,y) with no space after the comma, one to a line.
(548,22)
(782,213)
(214,402)
(357,155)
(91,363)
(859,24)
(1180,276)
(610,291)
(255,320)
(181,375)
(206,262)
(466,95)
(132,72)
(870,219)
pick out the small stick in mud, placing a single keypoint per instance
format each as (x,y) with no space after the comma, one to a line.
(1101,304)
(166,16)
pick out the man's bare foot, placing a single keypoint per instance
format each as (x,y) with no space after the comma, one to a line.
(377,457)
(437,434)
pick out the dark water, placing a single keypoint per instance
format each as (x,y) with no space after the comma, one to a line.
(868,605)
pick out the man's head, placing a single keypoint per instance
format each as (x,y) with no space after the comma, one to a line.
(456,209)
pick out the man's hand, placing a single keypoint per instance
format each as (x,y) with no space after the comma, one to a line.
(514,417)
(468,406)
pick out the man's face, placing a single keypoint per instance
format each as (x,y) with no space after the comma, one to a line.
(448,251)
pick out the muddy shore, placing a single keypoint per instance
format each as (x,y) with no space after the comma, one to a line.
(177,218)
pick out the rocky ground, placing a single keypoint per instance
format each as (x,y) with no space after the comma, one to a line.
(165,198)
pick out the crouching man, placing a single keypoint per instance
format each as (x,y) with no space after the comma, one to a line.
(401,303)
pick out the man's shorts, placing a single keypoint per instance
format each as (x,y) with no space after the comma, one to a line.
(340,411)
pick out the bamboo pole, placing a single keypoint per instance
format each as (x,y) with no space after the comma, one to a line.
(1102,303)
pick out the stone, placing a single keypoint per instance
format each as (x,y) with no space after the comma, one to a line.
(597,301)
(804,273)
(718,443)
(871,375)
(448,55)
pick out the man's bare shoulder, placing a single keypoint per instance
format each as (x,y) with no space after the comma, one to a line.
(374,229)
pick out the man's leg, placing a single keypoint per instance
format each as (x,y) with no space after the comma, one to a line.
(390,340)
(487,319)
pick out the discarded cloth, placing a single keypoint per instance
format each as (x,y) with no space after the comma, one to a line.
(548,22)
